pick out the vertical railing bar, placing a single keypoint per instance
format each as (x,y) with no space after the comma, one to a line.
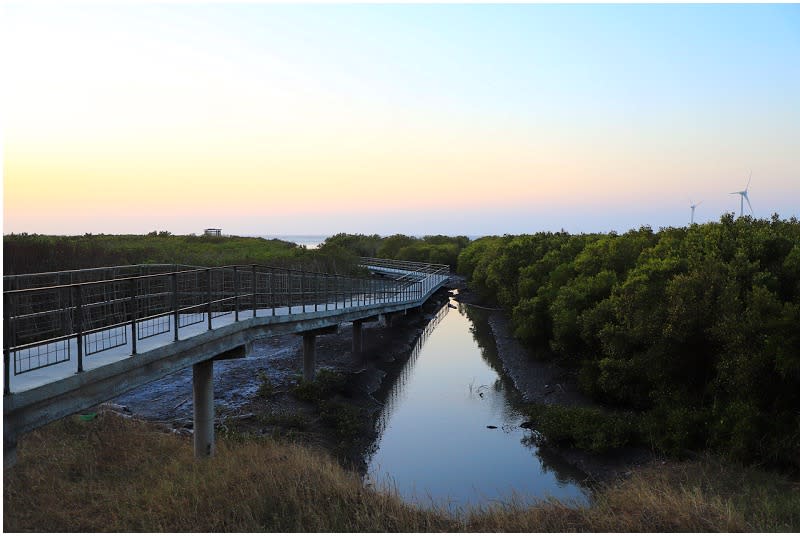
(235,294)
(134,314)
(208,295)
(6,344)
(302,289)
(174,278)
(79,324)
(253,277)
(289,288)
(272,290)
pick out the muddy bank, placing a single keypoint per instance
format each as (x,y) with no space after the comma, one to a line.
(261,394)
(544,382)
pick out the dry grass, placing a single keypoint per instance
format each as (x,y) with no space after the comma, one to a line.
(114,474)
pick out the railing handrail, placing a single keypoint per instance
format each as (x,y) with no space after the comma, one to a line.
(76,311)
(177,272)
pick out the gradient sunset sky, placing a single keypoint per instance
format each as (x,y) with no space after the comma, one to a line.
(420,119)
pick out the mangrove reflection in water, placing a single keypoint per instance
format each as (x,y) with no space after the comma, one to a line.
(434,442)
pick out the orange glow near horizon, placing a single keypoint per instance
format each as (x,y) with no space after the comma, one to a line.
(123,117)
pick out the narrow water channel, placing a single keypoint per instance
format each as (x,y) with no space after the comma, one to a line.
(450,432)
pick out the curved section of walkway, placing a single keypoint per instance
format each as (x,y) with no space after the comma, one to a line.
(93,358)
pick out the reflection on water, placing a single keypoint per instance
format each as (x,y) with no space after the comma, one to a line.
(449,431)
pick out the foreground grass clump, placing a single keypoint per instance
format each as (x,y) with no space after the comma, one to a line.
(113,474)
(121,475)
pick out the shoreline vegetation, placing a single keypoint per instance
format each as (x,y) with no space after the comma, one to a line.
(687,337)
(572,298)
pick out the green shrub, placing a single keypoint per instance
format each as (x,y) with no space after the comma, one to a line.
(589,429)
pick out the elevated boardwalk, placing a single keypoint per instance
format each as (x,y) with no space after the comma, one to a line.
(75,339)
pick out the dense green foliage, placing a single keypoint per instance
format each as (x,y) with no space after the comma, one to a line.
(437,249)
(31,253)
(697,329)
(591,429)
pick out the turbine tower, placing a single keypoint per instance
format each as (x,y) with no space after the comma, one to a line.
(693,205)
(743,196)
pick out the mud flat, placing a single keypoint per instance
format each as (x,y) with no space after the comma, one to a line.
(258,395)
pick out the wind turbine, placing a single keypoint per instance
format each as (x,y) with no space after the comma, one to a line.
(693,205)
(743,195)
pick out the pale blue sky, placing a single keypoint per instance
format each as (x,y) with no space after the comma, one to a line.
(458,119)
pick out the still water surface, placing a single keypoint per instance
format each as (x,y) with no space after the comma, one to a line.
(435,445)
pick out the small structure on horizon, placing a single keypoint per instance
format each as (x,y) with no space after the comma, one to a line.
(213,232)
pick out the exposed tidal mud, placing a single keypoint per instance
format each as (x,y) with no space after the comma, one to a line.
(258,395)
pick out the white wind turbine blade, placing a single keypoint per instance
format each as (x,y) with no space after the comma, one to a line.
(748,203)
(748,181)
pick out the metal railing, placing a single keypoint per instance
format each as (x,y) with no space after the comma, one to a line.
(48,324)
(421,276)
(68,277)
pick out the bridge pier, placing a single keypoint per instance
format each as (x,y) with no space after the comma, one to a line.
(310,350)
(358,338)
(203,395)
(9,445)
(387,319)
(309,356)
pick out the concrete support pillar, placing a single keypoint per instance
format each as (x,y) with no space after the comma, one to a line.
(309,356)
(9,445)
(358,340)
(203,393)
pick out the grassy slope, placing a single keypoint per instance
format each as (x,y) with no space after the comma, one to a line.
(114,474)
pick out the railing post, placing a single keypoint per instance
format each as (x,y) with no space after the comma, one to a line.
(272,289)
(316,291)
(235,295)
(253,277)
(289,288)
(208,295)
(134,314)
(326,291)
(302,289)
(79,324)
(6,344)
(175,316)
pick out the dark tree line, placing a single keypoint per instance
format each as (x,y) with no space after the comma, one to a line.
(697,330)
(438,249)
(32,253)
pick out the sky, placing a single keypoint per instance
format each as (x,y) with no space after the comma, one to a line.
(263,119)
